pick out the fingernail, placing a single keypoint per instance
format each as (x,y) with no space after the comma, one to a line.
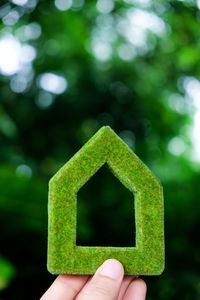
(111,268)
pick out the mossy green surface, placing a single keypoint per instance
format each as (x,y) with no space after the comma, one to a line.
(64,256)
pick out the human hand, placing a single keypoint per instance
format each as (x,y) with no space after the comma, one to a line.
(108,283)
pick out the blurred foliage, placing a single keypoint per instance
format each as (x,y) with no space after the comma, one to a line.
(67,67)
(7,272)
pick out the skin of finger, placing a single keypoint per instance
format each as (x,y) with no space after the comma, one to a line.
(101,287)
(136,290)
(126,281)
(65,287)
(85,286)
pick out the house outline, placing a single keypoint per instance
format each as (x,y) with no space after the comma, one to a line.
(64,256)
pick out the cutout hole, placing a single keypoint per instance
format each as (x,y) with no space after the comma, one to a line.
(105,212)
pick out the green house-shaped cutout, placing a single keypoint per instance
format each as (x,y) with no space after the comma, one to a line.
(64,256)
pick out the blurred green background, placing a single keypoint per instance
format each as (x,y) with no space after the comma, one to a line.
(68,67)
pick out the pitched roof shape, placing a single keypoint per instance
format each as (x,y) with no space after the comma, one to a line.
(64,256)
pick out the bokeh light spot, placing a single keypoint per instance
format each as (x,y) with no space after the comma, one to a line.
(77,4)
(18,83)
(126,52)
(31,31)
(178,103)
(137,24)
(9,55)
(176,146)
(14,56)
(20,2)
(63,4)
(191,86)
(24,170)
(105,6)
(102,50)
(28,53)
(44,100)
(53,83)
(11,18)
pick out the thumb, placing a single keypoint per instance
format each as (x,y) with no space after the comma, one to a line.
(106,282)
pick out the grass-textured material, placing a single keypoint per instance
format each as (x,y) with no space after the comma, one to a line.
(64,256)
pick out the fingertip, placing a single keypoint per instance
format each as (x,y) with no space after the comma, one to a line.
(124,286)
(106,282)
(137,290)
(141,284)
(111,268)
